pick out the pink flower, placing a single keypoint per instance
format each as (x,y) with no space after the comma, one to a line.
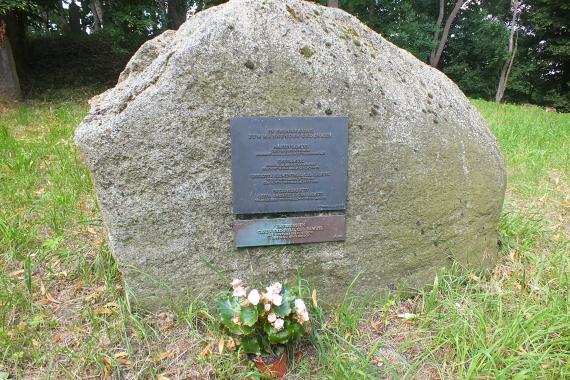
(267,306)
(274,289)
(277,287)
(239,291)
(278,324)
(236,282)
(299,305)
(277,299)
(271,317)
(303,316)
(253,297)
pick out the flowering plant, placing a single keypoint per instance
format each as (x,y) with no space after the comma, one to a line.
(262,319)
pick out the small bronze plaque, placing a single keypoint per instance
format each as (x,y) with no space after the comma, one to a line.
(289,164)
(295,230)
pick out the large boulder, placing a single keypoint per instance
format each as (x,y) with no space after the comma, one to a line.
(426,178)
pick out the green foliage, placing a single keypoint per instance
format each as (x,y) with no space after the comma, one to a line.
(549,22)
(476,53)
(58,62)
(130,23)
(7,6)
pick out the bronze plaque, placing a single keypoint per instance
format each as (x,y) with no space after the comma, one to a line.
(294,230)
(289,164)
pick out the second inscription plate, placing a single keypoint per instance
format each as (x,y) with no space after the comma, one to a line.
(289,164)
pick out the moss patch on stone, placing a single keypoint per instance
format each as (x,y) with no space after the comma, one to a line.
(307,52)
(293,13)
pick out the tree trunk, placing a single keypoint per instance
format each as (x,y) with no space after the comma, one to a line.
(437,29)
(97,9)
(74,18)
(445,33)
(372,9)
(332,3)
(9,82)
(176,13)
(513,43)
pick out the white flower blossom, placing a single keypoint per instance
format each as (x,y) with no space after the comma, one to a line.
(300,305)
(271,317)
(274,289)
(277,287)
(277,299)
(303,316)
(236,282)
(239,291)
(253,297)
(279,324)
(267,306)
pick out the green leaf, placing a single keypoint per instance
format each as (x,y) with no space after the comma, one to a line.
(249,315)
(250,344)
(239,330)
(228,309)
(290,332)
(285,308)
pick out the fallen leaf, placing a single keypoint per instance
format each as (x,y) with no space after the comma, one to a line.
(162,356)
(231,344)
(474,277)
(168,326)
(112,305)
(162,377)
(207,351)
(16,273)
(107,361)
(314,297)
(406,316)
(103,310)
(123,361)
(92,230)
(51,299)
(121,354)
(42,288)
(513,255)
(566,203)
(221,343)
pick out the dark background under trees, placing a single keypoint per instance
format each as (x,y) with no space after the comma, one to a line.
(504,50)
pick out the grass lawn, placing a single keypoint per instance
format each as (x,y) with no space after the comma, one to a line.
(64,315)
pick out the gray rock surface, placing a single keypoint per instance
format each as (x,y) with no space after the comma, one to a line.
(426,178)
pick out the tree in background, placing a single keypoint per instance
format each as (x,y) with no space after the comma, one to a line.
(441,37)
(490,48)
(9,82)
(549,40)
(516,9)
(476,51)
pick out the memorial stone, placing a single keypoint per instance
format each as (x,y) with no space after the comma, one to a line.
(424,179)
